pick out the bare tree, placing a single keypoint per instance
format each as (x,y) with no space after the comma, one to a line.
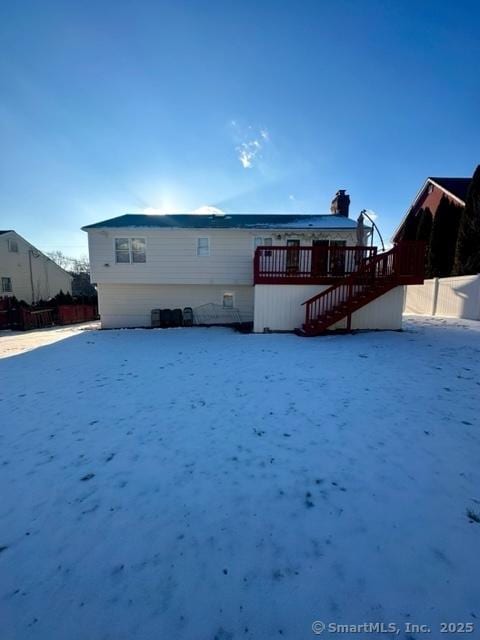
(61,259)
(81,264)
(72,265)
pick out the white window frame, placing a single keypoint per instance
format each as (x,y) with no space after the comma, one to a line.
(12,245)
(130,249)
(262,239)
(231,295)
(203,255)
(6,288)
(132,252)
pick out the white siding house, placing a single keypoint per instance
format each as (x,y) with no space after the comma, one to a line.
(206,262)
(27,273)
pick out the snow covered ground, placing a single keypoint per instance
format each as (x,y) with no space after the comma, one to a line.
(200,484)
(13,342)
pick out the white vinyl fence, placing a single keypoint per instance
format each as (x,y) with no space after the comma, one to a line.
(457,297)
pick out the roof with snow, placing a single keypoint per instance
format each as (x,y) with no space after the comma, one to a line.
(234,221)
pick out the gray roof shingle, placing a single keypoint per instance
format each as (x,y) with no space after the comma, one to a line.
(234,221)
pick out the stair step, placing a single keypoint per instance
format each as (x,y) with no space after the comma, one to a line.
(343,308)
(303,333)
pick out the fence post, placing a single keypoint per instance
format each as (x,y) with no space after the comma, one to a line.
(435,296)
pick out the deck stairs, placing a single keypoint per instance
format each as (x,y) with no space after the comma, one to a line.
(376,276)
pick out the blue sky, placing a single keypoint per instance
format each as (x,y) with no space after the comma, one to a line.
(250,106)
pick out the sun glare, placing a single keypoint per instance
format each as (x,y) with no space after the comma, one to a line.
(207,209)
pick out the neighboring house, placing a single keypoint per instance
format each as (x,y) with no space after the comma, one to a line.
(435,217)
(241,268)
(429,198)
(27,273)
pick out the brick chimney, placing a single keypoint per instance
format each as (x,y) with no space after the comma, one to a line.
(340,204)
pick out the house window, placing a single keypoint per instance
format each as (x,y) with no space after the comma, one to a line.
(6,285)
(130,250)
(259,241)
(13,246)
(228,301)
(138,250)
(203,246)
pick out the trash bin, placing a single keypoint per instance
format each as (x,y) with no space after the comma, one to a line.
(165,318)
(155,317)
(177,318)
(188,317)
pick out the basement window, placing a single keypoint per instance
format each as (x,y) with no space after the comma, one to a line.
(228,301)
(6,285)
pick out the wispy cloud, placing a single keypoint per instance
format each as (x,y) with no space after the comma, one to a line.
(372,214)
(247,152)
(250,143)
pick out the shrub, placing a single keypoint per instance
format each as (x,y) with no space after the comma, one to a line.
(467,254)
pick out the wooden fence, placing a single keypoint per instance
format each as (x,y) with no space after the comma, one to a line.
(16,316)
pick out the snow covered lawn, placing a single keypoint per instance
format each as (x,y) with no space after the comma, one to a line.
(13,342)
(200,484)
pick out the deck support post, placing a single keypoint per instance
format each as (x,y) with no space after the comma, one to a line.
(349,316)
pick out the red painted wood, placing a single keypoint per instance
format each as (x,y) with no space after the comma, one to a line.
(307,265)
(70,314)
(375,276)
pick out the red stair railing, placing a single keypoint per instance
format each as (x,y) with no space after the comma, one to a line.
(403,264)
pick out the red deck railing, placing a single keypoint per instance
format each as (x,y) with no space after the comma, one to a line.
(403,264)
(308,265)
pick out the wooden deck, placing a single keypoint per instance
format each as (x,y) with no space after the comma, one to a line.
(333,264)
